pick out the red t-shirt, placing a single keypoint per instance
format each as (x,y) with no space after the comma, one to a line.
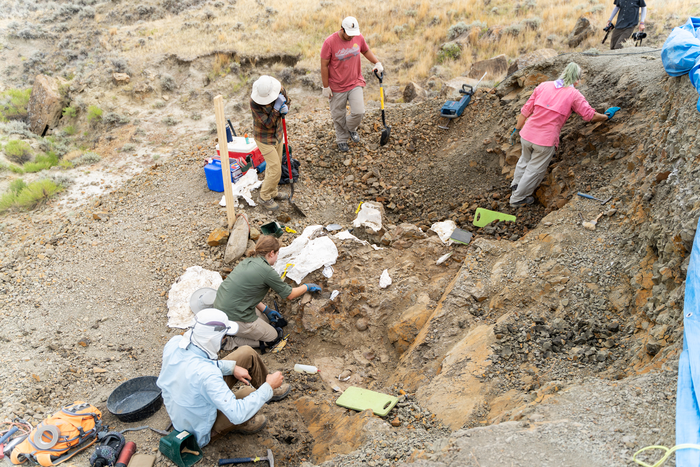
(344,69)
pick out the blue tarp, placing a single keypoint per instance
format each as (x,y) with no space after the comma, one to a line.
(687,408)
(681,52)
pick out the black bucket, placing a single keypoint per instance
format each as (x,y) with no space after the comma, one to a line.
(136,399)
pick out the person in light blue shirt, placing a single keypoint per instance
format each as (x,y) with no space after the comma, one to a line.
(197,385)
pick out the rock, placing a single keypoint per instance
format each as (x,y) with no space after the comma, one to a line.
(45,104)
(254,233)
(495,67)
(412,91)
(403,332)
(396,422)
(100,216)
(361,324)
(219,236)
(283,216)
(526,60)
(652,348)
(582,30)
(393,94)
(238,240)
(121,78)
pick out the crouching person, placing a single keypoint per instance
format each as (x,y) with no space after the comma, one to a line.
(197,385)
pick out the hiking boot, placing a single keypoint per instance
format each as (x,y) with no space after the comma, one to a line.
(513,188)
(524,202)
(269,204)
(281,196)
(343,147)
(252,426)
(354,137)
(281,392)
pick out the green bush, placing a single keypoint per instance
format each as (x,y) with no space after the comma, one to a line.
(170,120)
(42,162)
(36,193)
(17,185)
(449,51)
(70,112)
(94,114)
(70,130)
(87,159)
(13,104)
(18,151)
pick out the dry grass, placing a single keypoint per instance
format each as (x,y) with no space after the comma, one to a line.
(409,32)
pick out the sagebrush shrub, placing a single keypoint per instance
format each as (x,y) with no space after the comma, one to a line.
(167,82)
(18,151)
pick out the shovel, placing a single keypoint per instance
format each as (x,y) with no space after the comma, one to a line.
(289,169)
(386,132)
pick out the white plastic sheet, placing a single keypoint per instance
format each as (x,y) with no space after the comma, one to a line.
(370,216)
(384,280)
(444,230)
(307,253)
(243,188)
(194,278)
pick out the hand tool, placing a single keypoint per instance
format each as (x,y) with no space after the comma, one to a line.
(591,225)
(289,167)
(241,460)
(584,195)
(386,132)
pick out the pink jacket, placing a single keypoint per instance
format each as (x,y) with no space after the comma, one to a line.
(547,110)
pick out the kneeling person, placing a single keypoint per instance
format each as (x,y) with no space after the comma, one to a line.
(197,385)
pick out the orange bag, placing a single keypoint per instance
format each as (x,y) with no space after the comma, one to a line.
(61,436)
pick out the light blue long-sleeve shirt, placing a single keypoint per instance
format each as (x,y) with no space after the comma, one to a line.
(194,388)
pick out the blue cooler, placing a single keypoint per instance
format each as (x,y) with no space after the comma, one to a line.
(215,181)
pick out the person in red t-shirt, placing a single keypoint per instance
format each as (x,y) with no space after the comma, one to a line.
(341,72)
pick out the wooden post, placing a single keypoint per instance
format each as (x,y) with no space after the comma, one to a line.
(225,166)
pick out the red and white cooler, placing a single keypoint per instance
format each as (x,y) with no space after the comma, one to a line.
(239,149)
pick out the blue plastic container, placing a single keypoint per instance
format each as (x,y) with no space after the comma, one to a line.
(261,167)
(215,181)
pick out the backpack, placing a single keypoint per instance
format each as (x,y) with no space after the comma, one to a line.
(61,436)
(284,179)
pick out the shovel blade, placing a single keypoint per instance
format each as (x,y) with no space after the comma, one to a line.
(386,132)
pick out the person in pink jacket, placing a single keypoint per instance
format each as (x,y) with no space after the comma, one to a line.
(540,122)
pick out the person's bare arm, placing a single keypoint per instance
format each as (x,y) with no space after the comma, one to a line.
(297,292)
(521,122)
(370,56)
(599,118)
(324,72)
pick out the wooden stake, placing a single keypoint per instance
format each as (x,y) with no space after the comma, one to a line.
(225,166)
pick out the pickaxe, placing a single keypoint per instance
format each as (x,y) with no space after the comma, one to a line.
(242,460)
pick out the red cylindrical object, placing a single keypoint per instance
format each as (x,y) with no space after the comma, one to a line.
(125,456)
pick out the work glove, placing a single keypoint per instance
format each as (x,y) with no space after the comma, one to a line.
(514,136)
(611,112)
(284,109)
(272,315)
(312,288)
(327,93)
(279,102)
(378,68)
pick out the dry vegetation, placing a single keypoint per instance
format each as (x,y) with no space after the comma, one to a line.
(409,32)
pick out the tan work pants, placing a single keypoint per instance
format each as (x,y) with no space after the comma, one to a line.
(343,122)
(249,359)
(273,169)
(252,333)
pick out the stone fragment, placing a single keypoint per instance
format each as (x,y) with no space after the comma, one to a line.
(120,78)
(100,216)
(413,91)
(652,348)
(238,240)
(254,234)
(582,30)
(219,236)
(361,324)
(45,104)
(283,216)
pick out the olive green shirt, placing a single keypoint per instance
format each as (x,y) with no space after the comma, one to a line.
(246,286)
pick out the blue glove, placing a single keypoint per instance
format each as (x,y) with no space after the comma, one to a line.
(272,315)
(279,102)
(611,112)
(312,288)
(284,109)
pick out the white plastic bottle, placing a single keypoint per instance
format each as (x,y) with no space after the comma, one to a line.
(305,369)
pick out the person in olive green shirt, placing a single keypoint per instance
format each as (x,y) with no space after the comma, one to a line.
(240,296)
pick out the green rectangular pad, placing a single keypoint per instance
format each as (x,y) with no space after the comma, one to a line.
(362,399)
(483,217)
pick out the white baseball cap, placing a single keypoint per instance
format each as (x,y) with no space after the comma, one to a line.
(265,90)
(350,26)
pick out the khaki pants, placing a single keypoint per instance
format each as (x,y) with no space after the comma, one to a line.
(619,36)
(531,169)
(249,359)
(252,333)
(273,169)
(343,122)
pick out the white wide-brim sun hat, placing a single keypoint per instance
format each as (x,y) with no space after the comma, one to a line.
(265,90)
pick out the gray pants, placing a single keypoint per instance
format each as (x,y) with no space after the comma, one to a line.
(531,169)
(343,122)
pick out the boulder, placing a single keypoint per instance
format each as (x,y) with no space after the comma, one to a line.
(582,30)
(45,104)
(120,78)
(412,91)
(238,240)
(495,67)
(527,60)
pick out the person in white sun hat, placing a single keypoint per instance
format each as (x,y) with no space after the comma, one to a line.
(341,73)
(197,386)
(269,103)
